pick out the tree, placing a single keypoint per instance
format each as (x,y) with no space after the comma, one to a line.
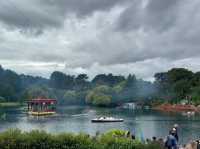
(99,96)
(98,99)
(176,83)
(70,97)
(10,84)
(181,89)
(195,94)
(110,79)
(38,92)
(177,74)
(60,80)
(130,81)
(196,79)
(81,82)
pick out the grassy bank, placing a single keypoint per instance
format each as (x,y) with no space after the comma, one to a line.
(10,104)
(15,139)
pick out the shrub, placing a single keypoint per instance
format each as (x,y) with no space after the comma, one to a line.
(15,139)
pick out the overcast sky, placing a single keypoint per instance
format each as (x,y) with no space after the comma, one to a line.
(99,36)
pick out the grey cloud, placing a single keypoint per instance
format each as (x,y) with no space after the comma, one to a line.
(158,15)
(36,15)
(26,16)
(147,39)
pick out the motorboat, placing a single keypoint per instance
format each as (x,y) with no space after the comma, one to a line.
(106,120)
(189,113)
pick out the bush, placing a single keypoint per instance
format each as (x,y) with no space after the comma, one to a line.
(15,139)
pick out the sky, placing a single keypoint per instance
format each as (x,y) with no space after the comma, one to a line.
(142,37)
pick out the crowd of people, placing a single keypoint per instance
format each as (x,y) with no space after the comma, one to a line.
(172,141)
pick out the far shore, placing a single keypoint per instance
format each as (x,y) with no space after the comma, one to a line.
(177,108)
(10,104)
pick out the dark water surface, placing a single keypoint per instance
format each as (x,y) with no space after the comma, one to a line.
(146,123)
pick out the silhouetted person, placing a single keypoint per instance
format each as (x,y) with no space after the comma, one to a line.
(154,139)
(133,136)
(175,129)
(161,142)
(128,134)
(148,141)
(198,144)
(171,142)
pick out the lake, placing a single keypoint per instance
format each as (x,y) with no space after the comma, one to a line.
(146,123)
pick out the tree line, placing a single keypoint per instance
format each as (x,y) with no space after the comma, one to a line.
(103,90)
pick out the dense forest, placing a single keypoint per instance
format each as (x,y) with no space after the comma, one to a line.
(103,90)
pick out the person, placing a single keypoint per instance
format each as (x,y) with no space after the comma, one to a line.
(148,141)
(198,144)
(154,139)
(171,142)
(175,129)
(133,135)
(128,134)
(191,145)
(161,142)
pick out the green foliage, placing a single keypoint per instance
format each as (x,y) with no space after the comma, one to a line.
(115,133)
(178,84)
(110,79)
(38,92)
(104,90)
(195,95)
(73,97)
(9,104)
(177,74)
(15,139)
(99,96)
(61,81)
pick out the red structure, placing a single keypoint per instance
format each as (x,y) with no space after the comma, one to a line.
(42,106)
(176,108)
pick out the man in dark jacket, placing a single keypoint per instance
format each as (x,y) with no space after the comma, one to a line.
(171,142)
(175,130)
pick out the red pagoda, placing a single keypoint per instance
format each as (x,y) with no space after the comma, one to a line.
(41,107)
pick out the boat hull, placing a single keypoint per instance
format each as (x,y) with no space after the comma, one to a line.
(41,113)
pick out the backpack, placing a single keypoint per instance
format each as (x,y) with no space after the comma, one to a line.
(168,142)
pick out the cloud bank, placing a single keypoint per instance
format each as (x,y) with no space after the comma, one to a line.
(92,36)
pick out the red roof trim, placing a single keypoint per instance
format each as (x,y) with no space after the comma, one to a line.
(42,100)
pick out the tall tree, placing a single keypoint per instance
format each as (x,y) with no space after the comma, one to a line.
(61,81)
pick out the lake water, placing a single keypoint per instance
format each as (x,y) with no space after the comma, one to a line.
(146,123)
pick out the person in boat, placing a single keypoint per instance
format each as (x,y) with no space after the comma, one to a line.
(171,142)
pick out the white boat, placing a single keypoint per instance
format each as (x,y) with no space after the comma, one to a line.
(106,120)
(189,113)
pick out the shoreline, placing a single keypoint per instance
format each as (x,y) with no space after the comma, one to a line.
(10,104)
(177,108)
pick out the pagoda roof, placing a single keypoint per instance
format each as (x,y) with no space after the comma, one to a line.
(41,100)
